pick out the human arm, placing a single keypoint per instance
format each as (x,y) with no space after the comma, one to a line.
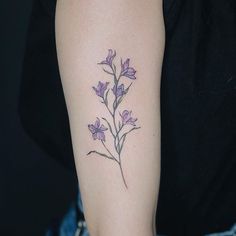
(119,177)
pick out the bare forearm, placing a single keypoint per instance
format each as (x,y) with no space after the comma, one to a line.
(113,102)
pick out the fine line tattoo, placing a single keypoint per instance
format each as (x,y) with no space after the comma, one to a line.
(122,124)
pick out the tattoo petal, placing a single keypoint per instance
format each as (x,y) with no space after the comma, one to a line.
(97,130)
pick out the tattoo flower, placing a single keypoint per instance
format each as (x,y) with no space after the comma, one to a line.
(118,91)
(115,124)
(97,130)
(127,71)
(109,59)
(127,119)
(101,88)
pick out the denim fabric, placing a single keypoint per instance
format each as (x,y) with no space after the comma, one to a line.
(69,226)
(231,232)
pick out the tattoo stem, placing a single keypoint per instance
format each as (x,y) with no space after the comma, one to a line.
(107,72)
(117,147)
(116,81)
(101,154)
(114,122)
(107,149)
(122,173)
(129,131)
(107,106)
(109,127)
(111,158)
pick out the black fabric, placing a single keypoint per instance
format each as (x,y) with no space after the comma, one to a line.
(42,105)
(198,105)
(198,111)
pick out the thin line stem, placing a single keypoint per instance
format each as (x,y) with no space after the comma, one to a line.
(101,154)
(118,144)
(129,131)
(107,149)
(107,106)
(122,173)
(109,127)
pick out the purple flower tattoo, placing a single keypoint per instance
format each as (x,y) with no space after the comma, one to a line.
(109,59)
(118,90)
(97,130)
(101,88)
(118,125)
(127,119)
(127,71)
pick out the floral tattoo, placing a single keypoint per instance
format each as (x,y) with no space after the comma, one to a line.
(118,125)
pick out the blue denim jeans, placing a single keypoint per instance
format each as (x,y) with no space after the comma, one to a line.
(70,227)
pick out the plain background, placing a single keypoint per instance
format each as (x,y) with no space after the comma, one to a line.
(35,190)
